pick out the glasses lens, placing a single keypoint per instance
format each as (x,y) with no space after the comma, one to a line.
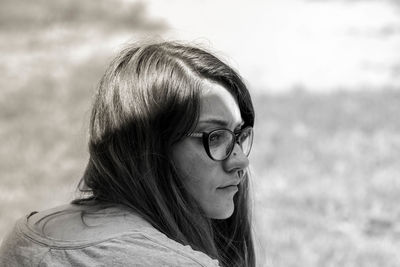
(220,143)
(245,140)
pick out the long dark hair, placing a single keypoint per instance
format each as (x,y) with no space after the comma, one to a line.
(148,100)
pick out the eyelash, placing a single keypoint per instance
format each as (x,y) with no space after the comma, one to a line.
(239,128)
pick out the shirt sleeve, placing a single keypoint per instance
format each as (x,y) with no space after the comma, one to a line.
(17,250)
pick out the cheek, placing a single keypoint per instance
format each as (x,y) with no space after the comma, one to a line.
(201,177)
(192,163)
(198,172)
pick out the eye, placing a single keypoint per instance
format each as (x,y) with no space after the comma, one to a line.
(218,138)
(215,138)
(239,128)
(242,135)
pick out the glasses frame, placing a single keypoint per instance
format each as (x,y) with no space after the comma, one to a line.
(205,136)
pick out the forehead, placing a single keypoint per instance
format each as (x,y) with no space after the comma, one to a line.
(217,103)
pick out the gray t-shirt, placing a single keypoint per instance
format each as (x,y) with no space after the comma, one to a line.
(75,235)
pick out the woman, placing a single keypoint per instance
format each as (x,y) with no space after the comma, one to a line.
(166,183)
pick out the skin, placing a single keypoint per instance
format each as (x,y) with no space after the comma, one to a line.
(213,184)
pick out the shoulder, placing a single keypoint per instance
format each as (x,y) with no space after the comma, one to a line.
(106,236)
(137,249)
(167,251)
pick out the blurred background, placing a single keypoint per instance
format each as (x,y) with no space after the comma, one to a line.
(324,75)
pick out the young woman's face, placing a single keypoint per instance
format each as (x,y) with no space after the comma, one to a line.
(212,183)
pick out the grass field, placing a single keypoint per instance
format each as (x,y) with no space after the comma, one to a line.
(327,178)
(326,170)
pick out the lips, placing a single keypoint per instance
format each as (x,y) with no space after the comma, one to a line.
(228,189)
(228,186)
(235,184)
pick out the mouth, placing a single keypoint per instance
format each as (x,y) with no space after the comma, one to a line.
(229,188)
(235,183)
(232,186)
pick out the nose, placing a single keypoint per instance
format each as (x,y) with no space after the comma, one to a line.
(236,161)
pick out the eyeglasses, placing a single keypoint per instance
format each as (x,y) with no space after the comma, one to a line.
(220,143)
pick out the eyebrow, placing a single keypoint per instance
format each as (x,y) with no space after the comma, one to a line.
(219,122)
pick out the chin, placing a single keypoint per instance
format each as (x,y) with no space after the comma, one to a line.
(222,215)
